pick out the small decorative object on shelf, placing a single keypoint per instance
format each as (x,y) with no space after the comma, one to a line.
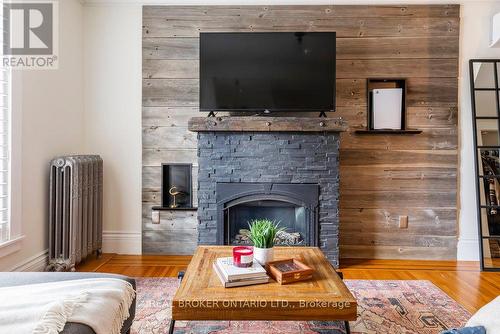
(176,189)
(243,256)
(289,271)
(263,234)
(174,192)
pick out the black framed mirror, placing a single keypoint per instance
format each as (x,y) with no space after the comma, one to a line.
(485,95)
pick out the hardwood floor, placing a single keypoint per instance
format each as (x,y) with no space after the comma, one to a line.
(138,265)
(460,280)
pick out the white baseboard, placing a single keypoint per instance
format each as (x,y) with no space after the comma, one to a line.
(121,242)
(37,262)
(112,242)
(467,249)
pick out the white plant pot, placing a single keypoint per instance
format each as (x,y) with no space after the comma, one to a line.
(263,255)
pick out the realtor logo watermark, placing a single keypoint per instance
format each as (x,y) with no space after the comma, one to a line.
(30,34)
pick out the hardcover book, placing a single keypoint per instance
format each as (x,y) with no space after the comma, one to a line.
(241,282)
(233,273)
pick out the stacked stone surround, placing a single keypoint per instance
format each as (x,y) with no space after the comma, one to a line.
(270,157)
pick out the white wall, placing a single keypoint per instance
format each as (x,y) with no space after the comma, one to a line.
(113,92)
(475,37)
(50,104)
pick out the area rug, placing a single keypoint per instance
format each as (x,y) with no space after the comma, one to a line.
(388,307)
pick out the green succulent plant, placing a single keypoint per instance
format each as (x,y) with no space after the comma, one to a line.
(262,232)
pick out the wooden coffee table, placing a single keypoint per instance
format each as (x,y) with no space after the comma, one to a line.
(201,295)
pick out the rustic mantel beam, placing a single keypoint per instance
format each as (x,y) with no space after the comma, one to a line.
(267,124)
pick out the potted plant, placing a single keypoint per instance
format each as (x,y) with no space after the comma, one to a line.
(262,233)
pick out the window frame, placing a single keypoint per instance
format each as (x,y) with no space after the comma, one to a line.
(13,244)
(14,166)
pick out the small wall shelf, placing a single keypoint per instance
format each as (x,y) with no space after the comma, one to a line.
(176,177)
(162,208)
(379,83)
(388,132)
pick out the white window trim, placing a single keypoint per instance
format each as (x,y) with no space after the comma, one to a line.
(11,246)
(15,168)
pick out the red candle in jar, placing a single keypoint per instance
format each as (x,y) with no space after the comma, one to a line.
(243,256)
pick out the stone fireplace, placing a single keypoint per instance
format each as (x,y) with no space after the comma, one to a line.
(269,167)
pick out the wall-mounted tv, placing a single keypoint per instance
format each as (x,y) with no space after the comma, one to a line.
(267,71)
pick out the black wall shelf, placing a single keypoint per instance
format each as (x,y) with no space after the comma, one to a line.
(388,132)
(163,208)
(178,176)
(373,83)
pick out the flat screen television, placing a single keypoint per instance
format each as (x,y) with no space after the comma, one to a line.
(267,71)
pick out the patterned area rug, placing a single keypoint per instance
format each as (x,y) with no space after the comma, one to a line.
(388,307)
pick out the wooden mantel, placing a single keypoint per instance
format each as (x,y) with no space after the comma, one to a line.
(267,124)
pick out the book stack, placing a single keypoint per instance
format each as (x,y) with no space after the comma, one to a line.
(232,276)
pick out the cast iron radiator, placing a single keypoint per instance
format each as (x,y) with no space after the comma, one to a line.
(75,210)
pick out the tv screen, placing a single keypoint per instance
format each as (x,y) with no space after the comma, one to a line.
(282,71)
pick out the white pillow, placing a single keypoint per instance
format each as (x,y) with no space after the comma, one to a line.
(487,316)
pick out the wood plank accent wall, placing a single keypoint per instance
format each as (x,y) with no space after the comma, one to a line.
(382,177)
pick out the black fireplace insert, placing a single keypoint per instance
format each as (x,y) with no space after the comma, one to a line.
(294,206)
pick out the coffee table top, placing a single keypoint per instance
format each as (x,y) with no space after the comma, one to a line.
(201,295)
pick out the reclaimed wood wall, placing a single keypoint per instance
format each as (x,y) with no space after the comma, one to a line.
(382,176)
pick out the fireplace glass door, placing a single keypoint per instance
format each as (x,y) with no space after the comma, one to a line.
(293,206)
(290,216)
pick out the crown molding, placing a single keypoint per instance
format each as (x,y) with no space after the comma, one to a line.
(277,2)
